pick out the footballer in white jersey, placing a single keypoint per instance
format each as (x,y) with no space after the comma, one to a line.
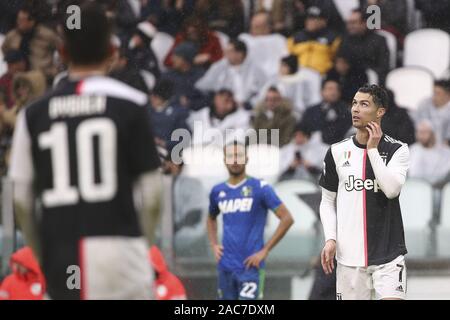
(360,209)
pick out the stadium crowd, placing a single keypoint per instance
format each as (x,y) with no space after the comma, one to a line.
(292,65)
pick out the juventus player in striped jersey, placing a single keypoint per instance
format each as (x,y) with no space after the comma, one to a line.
(360,209)
(81,155)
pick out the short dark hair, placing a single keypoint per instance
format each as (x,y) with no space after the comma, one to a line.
(30,10)
(163,89)
(364,15)
(379,94)
(91,43)
(330,79)
(239,46)
(444,84)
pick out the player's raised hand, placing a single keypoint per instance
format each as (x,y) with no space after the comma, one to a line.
(375,134)
(327,256)
(218,252)
(255,259)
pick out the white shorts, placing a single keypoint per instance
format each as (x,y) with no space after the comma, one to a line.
(373,282)
(116,268)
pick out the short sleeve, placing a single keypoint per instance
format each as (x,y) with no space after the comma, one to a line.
(143,153)
(270,198)
(214,210)
(329,178)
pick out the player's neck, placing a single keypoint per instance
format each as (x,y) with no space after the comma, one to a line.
(234,180)
(362,136)
(78,71)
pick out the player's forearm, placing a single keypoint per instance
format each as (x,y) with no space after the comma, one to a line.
(148,191)
(23,208)
(211,226)
(389,181)
(286,221)
(328,214)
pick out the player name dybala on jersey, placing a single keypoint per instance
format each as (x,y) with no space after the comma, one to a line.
(88,141)
(369,223)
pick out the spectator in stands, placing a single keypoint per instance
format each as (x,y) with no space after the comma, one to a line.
(368,49)
(167,285)
(276,14)
(331,117)
(196,30)
(240,75)
(316,45)
(303,157)
(27,281)
(165,116)
(350,75)
(264,46)
(141,53)
(394,17)
(397,123)
(435,13)
(190,200)
(36,42)
(167,16)
(275,112)
(184,74)
(299,85)
(226,16)
(437,110)
(224,114)
(16,63)
(126,71)
(429,159)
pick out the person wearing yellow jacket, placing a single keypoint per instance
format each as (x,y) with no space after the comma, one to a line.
(316,45)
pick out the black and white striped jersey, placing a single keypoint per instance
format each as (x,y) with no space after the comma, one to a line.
(369,227)
(82,145)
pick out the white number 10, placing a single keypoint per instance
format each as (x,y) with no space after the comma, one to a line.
(57,141)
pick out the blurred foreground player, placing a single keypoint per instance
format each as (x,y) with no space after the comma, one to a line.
(360,210)
(81,156)
(243,201)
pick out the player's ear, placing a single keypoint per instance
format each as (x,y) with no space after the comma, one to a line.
(381,112)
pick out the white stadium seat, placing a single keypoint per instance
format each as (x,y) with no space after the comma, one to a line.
(391,42)
(161,44)
(410,85)
(223,38)
(443,230)
(428,48)
(372,76)
(416,202)
(302,239)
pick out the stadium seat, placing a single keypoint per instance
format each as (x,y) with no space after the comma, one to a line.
(391,42)
(266,50)
(161,44)
(428,48)
(416,202)
(149,79)
(264,162)
(3,67)
(372,76)
(413,16)
(302,240)
(443,230)
(410,85)
(223,39)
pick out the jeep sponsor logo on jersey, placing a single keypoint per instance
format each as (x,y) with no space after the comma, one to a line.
(236,205)
(360,184)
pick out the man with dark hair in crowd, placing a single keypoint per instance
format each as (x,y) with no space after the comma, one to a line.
(397,123)
(369,50)
(316,45)
(166,116)
(183,74)
(331,117)
(126,71)
(37,42)
(141,53)
(242,76)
